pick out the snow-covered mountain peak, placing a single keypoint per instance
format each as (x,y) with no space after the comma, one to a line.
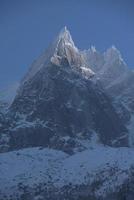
(65,52)
(93,49)
(64,42)
(66,37)
(61,52)
(113,54)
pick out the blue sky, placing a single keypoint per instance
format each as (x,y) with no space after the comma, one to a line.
(28,26)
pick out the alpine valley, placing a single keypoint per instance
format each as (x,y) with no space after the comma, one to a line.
(68,133)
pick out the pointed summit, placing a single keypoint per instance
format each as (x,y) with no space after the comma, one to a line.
(113,51)
(113,54)
(61,52)
(66,36)
(61,49)
(64,31)
(93,49)
(65,50)
(65,39)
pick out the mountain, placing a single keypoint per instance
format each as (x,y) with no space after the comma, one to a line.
(66,134)
(93,58)
(62,52)
(109,66)
(57,99)
(117,80)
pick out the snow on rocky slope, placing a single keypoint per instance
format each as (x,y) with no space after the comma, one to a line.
(31,167)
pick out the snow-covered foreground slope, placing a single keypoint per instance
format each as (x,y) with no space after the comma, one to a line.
(23,170)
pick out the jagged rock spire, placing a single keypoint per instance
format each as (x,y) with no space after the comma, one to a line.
(61,52)
(63,42)
(113,54)
(65,50)
(66,38)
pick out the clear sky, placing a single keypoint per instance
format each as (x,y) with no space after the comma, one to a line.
(28,26)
